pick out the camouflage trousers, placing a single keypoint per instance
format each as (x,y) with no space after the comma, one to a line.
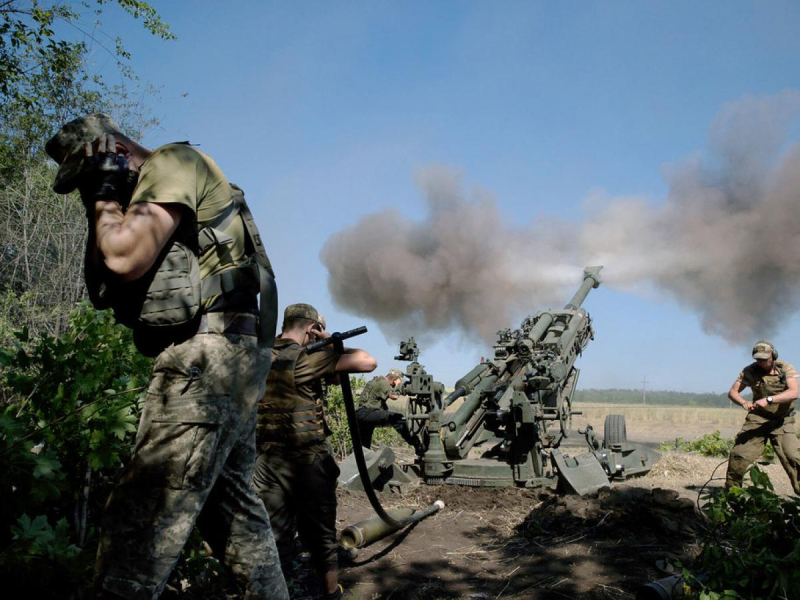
(193,464)
(750,442)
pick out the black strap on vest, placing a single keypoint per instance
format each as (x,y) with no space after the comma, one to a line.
(255,273)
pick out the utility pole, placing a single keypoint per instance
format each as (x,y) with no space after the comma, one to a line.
(644,390)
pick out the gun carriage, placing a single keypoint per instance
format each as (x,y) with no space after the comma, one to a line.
(506,419)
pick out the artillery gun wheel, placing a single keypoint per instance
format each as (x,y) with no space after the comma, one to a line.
(614,431)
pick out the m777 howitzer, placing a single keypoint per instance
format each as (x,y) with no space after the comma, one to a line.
(505,420)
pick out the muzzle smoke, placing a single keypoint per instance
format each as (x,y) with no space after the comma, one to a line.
(724,243)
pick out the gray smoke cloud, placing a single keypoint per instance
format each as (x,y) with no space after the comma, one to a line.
(725,242)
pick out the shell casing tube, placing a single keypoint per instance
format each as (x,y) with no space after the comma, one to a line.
(371,530)
(365,532)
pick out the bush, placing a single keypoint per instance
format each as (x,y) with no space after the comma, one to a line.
(751,548)
(71,405)
(712,444)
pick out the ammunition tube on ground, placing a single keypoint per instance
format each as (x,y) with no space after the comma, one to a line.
(366,532)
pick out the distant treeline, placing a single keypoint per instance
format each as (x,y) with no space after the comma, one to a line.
(654,397)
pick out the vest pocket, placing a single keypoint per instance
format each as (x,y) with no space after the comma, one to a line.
(181,441)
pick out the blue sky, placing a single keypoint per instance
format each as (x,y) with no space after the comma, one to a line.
(325,111)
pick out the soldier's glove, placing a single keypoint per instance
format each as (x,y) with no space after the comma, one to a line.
(106,176)
(396,418)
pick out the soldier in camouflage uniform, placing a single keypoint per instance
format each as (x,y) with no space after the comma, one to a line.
(295,471)
(374,412)
(195,447)
(771,415)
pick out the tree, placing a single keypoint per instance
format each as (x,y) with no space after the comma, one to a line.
(29,44)
(44,83)
(70,385)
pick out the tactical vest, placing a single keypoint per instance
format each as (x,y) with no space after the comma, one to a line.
(164,306)
(285,416)
(769,385)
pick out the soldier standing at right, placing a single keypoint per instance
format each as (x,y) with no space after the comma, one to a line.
(771,415)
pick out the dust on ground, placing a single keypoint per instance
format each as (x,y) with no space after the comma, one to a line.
(519,543)
(515,543)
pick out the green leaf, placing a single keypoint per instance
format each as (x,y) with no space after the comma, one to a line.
(46,467)
(35,530)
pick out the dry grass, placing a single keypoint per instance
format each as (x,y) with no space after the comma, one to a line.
(676,415)
(678,465)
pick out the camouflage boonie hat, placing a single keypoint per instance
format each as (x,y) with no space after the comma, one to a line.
(395,374)
(303,311)
(763,350)
(67,147)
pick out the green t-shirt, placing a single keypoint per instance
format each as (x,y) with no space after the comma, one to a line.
(180,174)
(375,393)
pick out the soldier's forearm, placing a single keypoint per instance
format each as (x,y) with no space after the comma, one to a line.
(784,397)
(736,398)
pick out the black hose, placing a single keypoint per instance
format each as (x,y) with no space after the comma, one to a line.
(347,393)
(358,451)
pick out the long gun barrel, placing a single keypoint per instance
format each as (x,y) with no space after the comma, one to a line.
(506,418)
(529,382)
(591,280)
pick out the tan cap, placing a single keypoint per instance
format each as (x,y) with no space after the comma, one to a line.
(303,311)
(763,350)
(67,147)
(395,374)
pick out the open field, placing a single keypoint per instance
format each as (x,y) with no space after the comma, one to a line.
(673,415)
(655,424)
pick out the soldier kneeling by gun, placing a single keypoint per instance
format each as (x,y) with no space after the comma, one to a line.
(374,412)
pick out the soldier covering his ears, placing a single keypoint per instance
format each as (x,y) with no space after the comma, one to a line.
(173,250)
(770,416)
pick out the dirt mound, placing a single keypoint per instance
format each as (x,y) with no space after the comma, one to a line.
(521,543)
(648,514)
(677,465)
